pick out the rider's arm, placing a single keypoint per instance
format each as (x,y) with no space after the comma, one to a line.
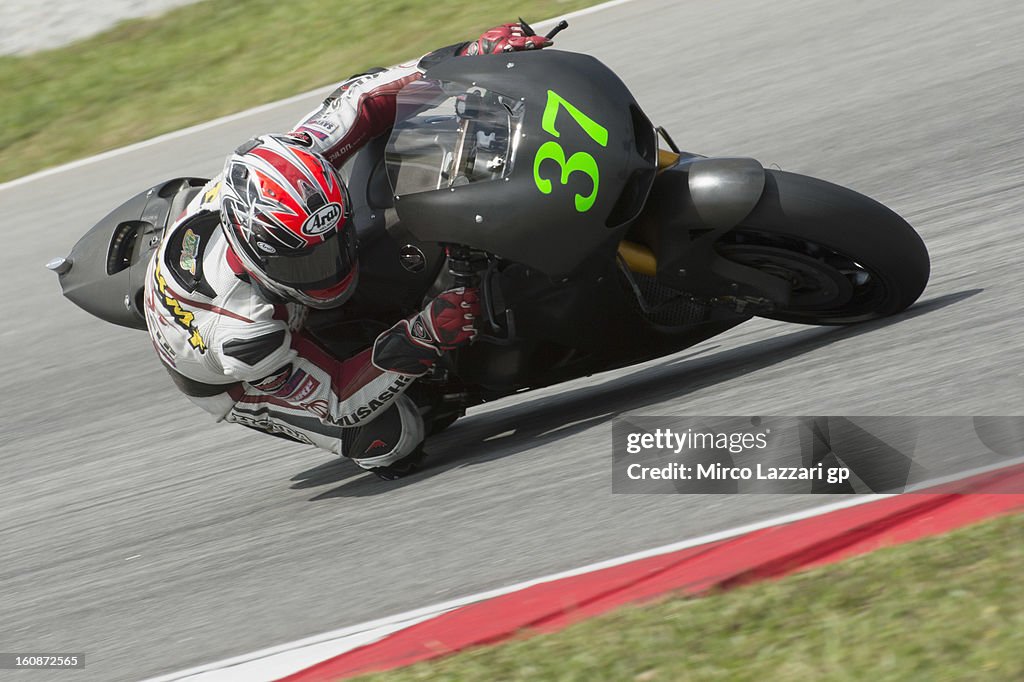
(359,110)
(287,372)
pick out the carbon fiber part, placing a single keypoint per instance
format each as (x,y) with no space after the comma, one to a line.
(663,305)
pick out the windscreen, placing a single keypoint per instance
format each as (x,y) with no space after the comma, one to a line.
(449,134)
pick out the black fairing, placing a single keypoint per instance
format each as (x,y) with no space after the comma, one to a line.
(108,264)
(513,218)
(564,328)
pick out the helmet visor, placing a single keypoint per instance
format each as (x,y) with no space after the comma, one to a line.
(319,267)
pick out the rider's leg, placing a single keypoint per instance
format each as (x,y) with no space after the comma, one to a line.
(391,445)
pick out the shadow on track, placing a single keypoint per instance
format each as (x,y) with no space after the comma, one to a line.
(550,419)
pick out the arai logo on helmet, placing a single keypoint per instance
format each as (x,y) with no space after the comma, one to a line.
(323,220)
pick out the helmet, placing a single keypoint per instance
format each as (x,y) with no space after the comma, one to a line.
(284,211)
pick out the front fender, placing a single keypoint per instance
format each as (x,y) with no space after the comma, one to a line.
(723,191)
(692,204)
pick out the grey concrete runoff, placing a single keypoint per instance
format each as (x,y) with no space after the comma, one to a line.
(139,532)
(34,25)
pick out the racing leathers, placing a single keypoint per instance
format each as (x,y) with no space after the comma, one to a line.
(242,355)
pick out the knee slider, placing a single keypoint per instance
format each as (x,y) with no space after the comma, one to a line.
(392,435)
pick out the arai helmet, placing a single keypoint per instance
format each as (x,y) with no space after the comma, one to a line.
(284,211)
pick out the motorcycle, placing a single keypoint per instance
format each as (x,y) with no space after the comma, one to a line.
(595,241)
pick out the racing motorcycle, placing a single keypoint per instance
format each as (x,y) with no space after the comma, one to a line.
(595,241)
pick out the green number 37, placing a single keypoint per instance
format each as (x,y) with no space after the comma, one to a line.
(580,162)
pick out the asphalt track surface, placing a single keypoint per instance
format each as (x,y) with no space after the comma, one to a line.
(137,531)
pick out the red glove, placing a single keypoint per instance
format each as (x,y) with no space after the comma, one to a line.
(413,346)
(449,317)
(505,38)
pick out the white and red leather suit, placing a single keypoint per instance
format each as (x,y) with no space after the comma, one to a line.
(244,357)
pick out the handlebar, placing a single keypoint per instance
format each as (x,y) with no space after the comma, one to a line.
(465,265)
(562,25)
(528,30)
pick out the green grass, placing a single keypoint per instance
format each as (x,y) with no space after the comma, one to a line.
(147,77)
(947,608)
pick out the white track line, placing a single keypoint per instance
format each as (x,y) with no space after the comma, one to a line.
(417,615)
(275,662)
(294,656)
(184,132)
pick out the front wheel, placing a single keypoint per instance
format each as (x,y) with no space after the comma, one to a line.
(847,257)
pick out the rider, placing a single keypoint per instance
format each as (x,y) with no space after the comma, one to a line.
(231,284)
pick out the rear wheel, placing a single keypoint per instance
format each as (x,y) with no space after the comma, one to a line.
(847,257)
